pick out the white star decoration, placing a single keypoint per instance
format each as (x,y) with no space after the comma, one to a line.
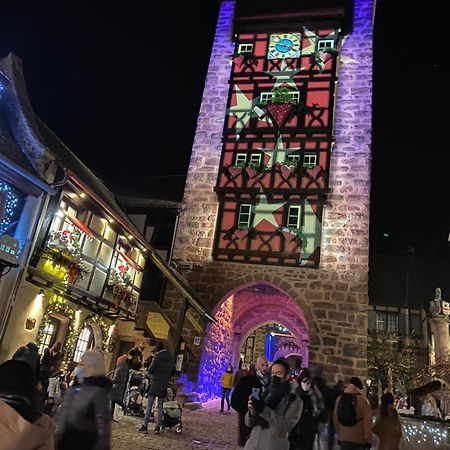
(242,110)
(264,211)
(284,77)
(279,153)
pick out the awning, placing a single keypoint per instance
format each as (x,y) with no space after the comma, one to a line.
(183,286)
(79,224)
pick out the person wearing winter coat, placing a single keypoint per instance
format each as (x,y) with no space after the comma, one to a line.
(387,426)
(256,377)
(119,381)
(303,435)
(275,413)
(30,354)
(226,380)
(336,391)
(84,418)
(161,371)
(359,435)
(22,426)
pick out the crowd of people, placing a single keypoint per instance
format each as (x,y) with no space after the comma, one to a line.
(43,407)
(277,412)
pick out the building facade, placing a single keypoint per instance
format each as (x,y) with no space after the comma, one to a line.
(276,221)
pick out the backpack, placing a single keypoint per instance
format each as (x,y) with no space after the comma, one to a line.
(346,411)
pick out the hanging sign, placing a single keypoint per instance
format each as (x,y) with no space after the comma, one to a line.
(158,325)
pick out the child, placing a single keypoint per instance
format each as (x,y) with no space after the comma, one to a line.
(227,382)
(387,425)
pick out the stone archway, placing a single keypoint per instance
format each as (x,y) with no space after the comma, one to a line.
(238,314)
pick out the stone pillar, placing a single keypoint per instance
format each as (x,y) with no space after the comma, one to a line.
(440,330)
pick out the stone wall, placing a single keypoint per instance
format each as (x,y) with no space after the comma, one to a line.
(334,297)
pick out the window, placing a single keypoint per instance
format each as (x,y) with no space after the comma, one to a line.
(415,326)
(240,158)
(47,337)
(309,160)
(293,157)
(245,215)
(381,321)
(245,48)
(392,322)
(325,44)
(83,343)
(266,96)
(294,217)
(255,158)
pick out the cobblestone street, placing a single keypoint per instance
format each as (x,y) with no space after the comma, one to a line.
(205,428)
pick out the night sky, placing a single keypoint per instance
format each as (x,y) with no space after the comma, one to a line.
(122,85)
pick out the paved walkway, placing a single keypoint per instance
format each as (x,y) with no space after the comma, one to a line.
(205,428)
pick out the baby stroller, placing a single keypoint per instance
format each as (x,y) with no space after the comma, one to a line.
(137,385)
(172,416)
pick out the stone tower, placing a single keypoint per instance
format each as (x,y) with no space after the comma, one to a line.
(288,241)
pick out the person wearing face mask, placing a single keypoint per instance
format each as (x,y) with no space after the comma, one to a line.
(303,435)
(273,415)
(84,418)
(256,377)
(227,382)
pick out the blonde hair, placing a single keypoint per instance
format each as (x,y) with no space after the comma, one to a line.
(95,362)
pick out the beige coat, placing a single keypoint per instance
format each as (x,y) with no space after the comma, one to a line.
(18,434)
(361,433)
(389,430)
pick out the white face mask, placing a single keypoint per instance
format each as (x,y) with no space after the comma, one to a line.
(306,386)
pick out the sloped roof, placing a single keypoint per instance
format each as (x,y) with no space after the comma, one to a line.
(141,200)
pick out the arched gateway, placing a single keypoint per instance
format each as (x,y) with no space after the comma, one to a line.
(239,313)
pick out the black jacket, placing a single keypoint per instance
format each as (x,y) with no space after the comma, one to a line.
(243,390)
(161,371)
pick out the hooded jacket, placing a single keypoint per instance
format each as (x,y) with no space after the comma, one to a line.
(16,433)
(161,371)
(361,432)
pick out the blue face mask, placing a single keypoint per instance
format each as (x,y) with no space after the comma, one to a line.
(79,373)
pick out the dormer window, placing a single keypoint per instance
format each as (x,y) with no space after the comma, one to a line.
(325,44)
(245,48)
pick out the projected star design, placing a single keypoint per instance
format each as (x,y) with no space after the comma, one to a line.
(242,110)
(264,211)
(279,153)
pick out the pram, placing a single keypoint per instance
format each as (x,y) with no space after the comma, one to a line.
(172,416)
(133,400)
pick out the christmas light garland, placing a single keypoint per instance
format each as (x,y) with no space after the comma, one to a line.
(58,305)
(11,206)
(425,433)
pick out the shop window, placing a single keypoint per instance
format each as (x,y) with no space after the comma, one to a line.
(84,343)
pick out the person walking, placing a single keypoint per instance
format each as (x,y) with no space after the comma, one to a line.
(387,426)
(226,381)
(257,377)
(119,382)
(353,418)
(273,415)
(161,371)
(22,426)
(303,435)
(30,354)
(84,418)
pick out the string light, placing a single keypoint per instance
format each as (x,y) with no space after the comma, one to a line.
(11,206)
(425,433)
